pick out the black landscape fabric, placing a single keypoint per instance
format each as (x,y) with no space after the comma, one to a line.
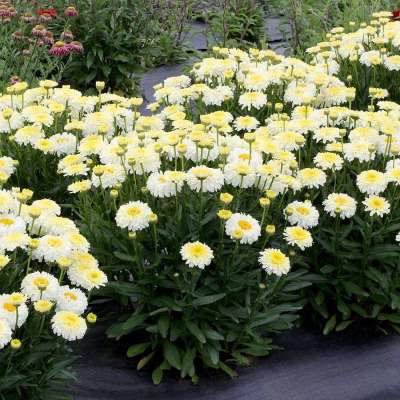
(312,367)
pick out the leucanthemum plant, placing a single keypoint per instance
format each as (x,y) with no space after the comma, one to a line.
(46,277)
(254,181)
(366,55)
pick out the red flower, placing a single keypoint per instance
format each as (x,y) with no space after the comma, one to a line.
(396,14)
(47,11)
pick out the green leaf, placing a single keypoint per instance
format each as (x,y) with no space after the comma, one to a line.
(240,358)
(227,369)
(145,360)
(296,286)
(163,325)
(171,353)
(344,309)
(395,302)
(329,325)
(124,257)
(263,320)
(188,363)
(352,288)
(212,353)
(395,318)
(195,330)
(134,321)
(343,325)
(326,269)
(201,301)
(212,334)
(319,298)
(157,376)
(137,349)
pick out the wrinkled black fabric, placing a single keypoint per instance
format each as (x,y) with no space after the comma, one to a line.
(312,367)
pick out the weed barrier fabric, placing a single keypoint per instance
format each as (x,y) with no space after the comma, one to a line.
(312,367)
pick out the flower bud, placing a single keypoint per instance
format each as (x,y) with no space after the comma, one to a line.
(226,198)
(91,318)
(264,202)
(42,306)
(100,85)
(270,229)
(271,194)
(15,344)
(153,218)
(224,214)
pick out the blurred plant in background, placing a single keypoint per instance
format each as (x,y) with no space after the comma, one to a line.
(234,22)
(310,20)
(123,38)
(31,47)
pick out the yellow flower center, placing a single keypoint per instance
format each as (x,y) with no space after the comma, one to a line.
(71,296)
(303,210)
(134,211)
(197,250)
(299,234)
(54,242)
(372,177)
(277,258)
(244,156)
(6,221)
(341,201)
(245,225)
(41,282)
(71,320)
(9,307)
(377,203)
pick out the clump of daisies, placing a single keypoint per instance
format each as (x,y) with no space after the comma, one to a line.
(46,278)
(359,49)
(255,185)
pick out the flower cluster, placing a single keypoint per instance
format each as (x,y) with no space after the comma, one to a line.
(33,38)
(212,209)
(367,55)
(38,249)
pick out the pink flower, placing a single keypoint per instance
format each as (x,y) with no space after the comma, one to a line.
(67,35)
(17,35)
(39,31)
(15,79)
(7,12)
(59,49)
(75,47)
(48,38)
(70,12)
(28,17)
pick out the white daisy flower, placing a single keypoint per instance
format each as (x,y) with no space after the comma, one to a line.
(376,205)
(311,177)
(248,227)
(274,262)
(68,325)
(340,204)
(40,285)
(196,254)
(372,182)
(8,312)
(296,235)
(205,179)
(51,248)
(5,333)
(302,213)
(134,216)
(71,299)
